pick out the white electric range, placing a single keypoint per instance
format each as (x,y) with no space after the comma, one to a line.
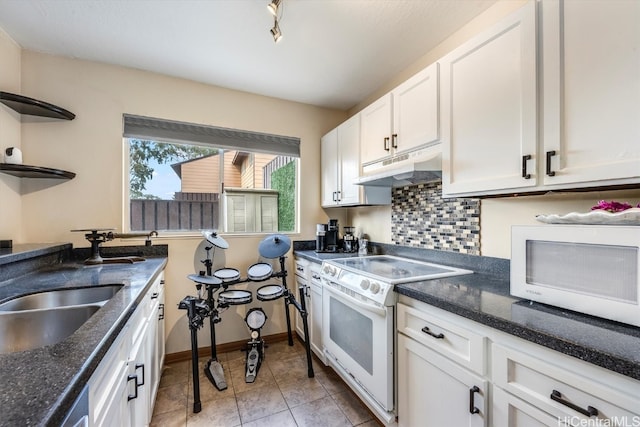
(358,321)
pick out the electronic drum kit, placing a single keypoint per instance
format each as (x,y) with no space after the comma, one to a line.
(220,281)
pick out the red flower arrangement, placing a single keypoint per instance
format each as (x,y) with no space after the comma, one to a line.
(613,206)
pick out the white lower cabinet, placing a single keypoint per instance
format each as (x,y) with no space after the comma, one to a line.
(443,356)
(308,276)
(440,370)
(315,311)
(510,411)
(561,387)
(108,403)
(433,391)
(122,389)
(300,277)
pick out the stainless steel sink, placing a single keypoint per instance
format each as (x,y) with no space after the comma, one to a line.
(29,329)
(61,298)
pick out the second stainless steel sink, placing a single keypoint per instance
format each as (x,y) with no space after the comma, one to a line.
(61,298)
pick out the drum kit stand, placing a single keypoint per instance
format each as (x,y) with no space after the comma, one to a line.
(201,307)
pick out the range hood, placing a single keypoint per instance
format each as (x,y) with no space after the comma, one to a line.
(418,167)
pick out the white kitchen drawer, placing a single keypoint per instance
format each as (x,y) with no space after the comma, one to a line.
(444,335)
(537,374)
(302,266)
(314,273)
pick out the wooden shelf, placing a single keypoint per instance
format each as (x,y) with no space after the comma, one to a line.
(33,107)
(25,171)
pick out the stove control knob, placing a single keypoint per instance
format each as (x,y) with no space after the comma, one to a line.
(364,284)
(375,288)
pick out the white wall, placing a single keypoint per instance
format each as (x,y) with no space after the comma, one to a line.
(91,145)
(10,200)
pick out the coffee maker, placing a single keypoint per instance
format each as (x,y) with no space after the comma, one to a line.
(331,236)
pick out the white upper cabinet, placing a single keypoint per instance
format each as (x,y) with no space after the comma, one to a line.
(376,130)
(489,108)
(591,93)
(586,107)
(340,158)
(402,120)
(329,167)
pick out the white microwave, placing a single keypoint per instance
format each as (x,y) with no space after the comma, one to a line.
(591,269)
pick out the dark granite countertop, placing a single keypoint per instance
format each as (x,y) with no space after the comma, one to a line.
(39,386)
(484,298)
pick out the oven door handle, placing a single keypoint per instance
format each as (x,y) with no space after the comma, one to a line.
(369,307)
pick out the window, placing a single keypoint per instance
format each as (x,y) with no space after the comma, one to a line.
(185,177)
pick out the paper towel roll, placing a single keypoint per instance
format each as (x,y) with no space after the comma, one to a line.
(13,155)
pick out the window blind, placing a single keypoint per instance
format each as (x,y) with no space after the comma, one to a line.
(141,127)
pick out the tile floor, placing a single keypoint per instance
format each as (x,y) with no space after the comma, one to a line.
(281,396)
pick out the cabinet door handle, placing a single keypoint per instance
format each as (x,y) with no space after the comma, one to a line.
(138,366)
(386,143)
(589,412)
(135,392)
(550,154)
(338,196)
(394,140)
(472,405)
(427,331)
(161,309)
(525,175)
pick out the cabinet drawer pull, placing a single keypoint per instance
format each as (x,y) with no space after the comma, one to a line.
(589,412)
(154,295)
(550,154)
(427,331)
(135,393)
(472,405)
(386,143)
(138,366)
(394,140)
(525,175)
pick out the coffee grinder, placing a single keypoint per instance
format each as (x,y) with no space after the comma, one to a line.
(349,241)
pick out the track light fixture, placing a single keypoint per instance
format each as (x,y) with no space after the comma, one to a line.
(275,31)
(273,7)
(276,7)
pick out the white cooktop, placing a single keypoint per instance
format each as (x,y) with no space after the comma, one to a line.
(393,270)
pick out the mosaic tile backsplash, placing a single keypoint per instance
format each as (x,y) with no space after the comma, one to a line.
(421,218)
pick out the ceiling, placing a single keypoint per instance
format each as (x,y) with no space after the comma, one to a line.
(334,53)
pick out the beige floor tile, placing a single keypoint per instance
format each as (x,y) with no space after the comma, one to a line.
(220,412)
(171,398)
(320,413)
(260,403)
(176,418)
(352,407)
(281,419)
(235,360)
(301,391)
(331,381)
(175,373)
(288,366)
